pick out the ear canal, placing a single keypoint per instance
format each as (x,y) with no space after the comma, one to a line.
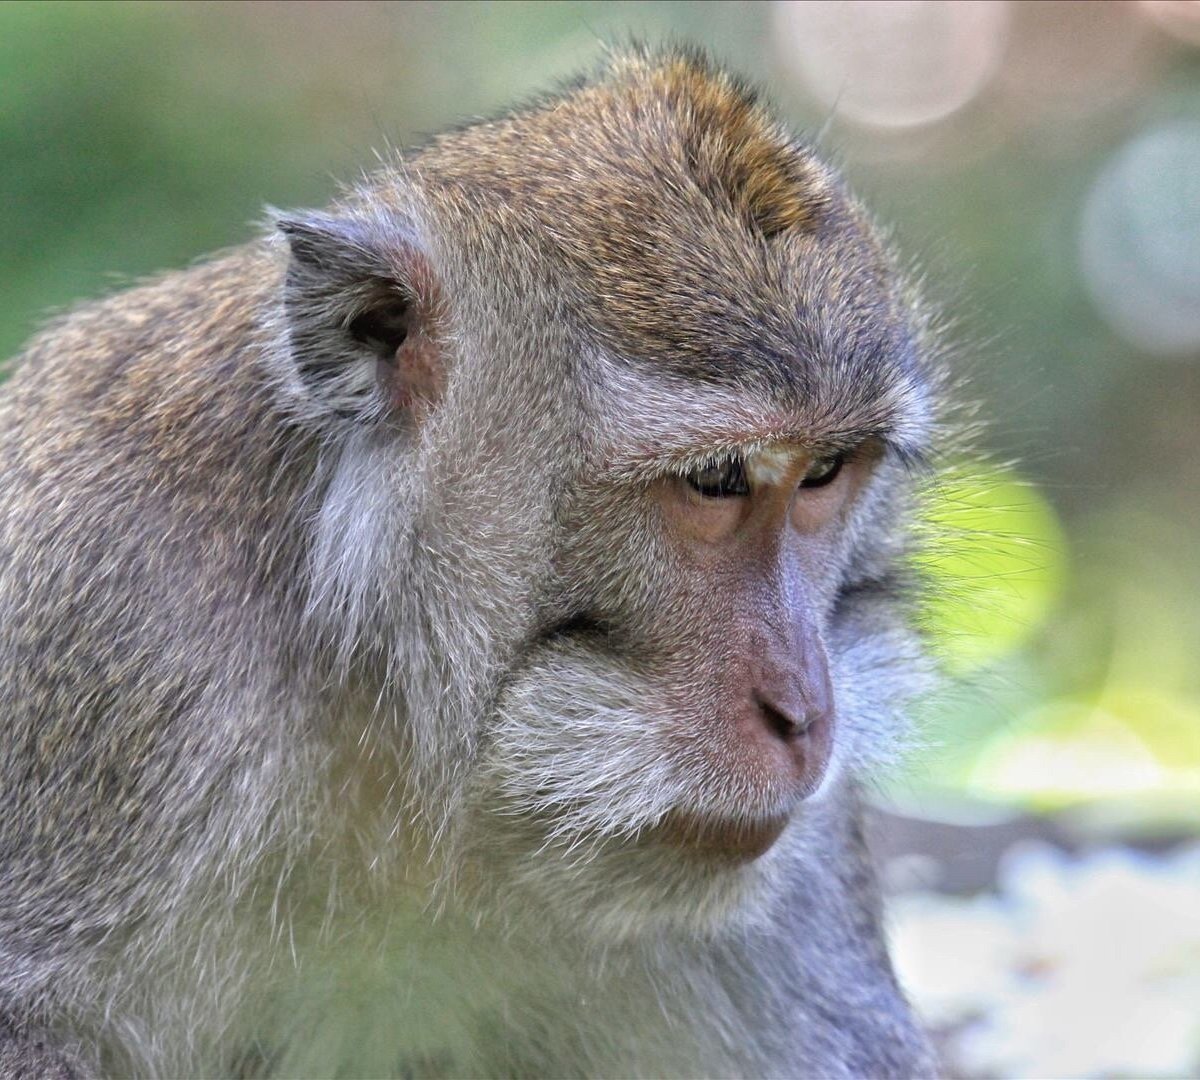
(384,327)
(359,307)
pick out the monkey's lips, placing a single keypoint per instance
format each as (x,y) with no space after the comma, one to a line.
(738,841)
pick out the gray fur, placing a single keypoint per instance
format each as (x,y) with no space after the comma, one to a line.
(334,731)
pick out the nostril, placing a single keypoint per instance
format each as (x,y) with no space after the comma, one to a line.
(779,723)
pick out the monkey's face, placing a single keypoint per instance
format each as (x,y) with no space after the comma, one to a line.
(681,711)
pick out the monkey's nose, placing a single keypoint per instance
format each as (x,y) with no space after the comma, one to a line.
(805,728)
(783,723)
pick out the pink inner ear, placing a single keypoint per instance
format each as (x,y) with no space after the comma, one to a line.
(417,376)
(414,378)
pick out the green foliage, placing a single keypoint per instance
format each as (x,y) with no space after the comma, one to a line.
(996,565)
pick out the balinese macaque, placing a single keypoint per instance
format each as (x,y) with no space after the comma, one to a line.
(446,635)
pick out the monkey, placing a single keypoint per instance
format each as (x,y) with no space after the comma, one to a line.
(451,634)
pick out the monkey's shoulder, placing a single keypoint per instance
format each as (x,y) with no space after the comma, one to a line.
(157,338)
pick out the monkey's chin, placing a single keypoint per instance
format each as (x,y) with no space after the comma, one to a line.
(664,890)
(671,881)
(722,839)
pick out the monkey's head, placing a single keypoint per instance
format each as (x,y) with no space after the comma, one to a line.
(619,398)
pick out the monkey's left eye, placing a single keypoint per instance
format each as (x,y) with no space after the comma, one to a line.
(823,471)
(720,478)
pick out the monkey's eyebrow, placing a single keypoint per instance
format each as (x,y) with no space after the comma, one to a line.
(650,428)
(650,461)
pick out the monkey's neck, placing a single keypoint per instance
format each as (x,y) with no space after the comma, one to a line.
(398,990)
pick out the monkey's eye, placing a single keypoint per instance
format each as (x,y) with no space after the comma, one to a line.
(823,471)
(720,478)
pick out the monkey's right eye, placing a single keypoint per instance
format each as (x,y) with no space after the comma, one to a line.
(720,478)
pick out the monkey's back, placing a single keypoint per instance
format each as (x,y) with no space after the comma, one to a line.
(140,546)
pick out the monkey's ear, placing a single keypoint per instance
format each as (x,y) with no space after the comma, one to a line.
(360,299)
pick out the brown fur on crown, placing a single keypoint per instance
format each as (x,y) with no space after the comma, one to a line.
(689,219)
(708,128)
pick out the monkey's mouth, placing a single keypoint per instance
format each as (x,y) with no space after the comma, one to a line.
(737,841)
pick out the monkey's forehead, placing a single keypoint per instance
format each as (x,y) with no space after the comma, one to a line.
(646,421)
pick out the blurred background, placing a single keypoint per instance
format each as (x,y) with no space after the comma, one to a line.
(1039,165)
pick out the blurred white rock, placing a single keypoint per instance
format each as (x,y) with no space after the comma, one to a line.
(1078,965)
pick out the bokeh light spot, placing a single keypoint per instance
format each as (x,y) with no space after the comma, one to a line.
(1065,752)
(893,65)
(1140,240)
(1126,743)
(1179,18)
